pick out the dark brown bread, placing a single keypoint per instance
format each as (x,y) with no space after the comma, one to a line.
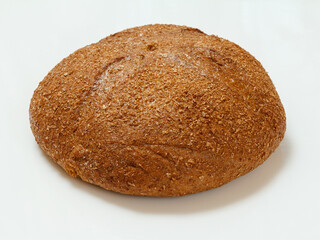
(158,110)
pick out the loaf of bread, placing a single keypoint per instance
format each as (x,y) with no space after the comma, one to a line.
(158,110)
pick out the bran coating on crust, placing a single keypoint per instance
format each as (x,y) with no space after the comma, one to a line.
(158,110)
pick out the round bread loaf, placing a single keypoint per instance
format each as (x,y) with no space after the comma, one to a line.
(158,110)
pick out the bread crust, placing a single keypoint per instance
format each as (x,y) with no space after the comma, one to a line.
(158,110)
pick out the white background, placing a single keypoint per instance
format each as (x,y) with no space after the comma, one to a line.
(279,200)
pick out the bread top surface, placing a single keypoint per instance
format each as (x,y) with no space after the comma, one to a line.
(158,110)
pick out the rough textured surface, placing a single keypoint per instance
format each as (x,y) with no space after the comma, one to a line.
(158,110)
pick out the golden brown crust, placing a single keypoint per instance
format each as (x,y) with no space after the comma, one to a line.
(158,110)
